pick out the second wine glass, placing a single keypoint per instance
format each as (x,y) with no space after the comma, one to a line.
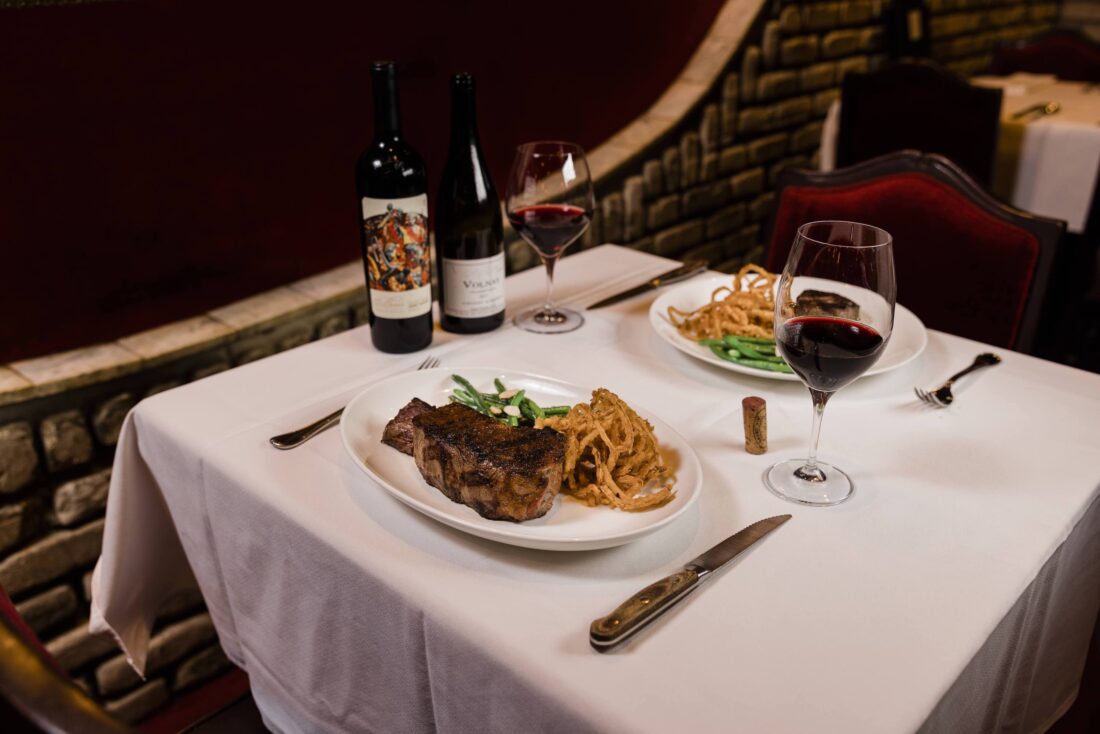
(550,204)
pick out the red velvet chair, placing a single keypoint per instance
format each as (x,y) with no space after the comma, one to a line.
(37,695)
(1067,54)
(965,262)
(919,106)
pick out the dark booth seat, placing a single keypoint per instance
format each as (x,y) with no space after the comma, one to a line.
(1067,54)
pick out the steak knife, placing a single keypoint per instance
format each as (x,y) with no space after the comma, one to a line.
(639,610)
(685,271)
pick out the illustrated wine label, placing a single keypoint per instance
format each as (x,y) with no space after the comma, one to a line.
(473,288)
(398,259)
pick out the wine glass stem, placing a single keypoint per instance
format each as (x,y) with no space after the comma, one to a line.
(549,262)
(810,471)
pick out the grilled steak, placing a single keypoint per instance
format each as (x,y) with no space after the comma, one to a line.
(503,472)
(822,303)
(399,431)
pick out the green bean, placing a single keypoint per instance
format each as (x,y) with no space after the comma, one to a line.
(724,353)
(711,342)
(765,365)
(474,394)
(750,353)
(525,409)
(513,421)
(757,339)
(534,407)
(557,410)
(517,398)
(499,385)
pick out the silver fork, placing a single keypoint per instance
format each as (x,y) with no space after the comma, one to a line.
(942,396)
(291,439)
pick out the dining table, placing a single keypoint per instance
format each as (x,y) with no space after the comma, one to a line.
(956,590)
(1046,163)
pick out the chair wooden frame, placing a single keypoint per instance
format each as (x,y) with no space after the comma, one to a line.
(1048,232)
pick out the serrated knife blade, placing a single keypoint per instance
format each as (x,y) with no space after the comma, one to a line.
(639,610)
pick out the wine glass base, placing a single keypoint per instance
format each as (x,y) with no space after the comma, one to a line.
(832,489)
(556,320)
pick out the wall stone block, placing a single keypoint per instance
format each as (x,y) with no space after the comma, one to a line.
(663,212)
(777,84)
(708,169)
(612,208)
(18,459)
(767,148)
(705,197)
(747,183)
(790,20)
(690,156)
(645,244)
(107,418)
(200,668)
(51,557)
(732,159)
(798,51)
(793,111)
(769,44)
(135,706)
(48,608)
(167,646)
(818,76)
(633,208)
(839,43)
(66,440)
(711,252)
(78,646)
(19,521)
(729,120)
(856,12)
(296,338)
(652,179)
(871,39)
(679,238)
(725,220)
(818,16)
(807,137)
(671,162)
(162,387)
(754,119)
(81,498)
(760,208)
(750,69)
(522,256)
(253,353)
(360,314)
(210,369)
(858,64)
(334,324)
(710,129)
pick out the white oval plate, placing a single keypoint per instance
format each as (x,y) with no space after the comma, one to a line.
(907,341)
(569,526)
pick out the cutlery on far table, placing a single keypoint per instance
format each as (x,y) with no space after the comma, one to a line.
(639,610)
(291,439)
(1039,110)
(685,271)
(942,396)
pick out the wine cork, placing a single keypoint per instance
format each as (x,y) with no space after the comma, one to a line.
(756,424)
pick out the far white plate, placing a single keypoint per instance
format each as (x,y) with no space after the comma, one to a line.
(570,525)
(908,340)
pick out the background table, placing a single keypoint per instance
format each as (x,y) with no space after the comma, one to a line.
(955,591)
(1045,165)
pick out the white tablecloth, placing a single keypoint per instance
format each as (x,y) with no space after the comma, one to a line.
(1045,165)
(954,592)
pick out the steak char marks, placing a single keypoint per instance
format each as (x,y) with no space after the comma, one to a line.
(503,472)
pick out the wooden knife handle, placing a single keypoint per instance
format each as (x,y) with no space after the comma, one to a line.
(641,609)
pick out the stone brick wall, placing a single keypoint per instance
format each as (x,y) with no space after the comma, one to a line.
(965,32)
(55,468)
(705,191)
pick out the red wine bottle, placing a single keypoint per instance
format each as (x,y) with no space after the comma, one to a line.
(393,201)
(469,229)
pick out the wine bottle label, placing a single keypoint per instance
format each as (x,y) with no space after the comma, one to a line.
(398,258)
(473,288)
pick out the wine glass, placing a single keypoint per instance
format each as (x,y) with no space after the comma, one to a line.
(550,204)
(834,312)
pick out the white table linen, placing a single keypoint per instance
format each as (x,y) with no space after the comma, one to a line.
(1045,165)
(944,596)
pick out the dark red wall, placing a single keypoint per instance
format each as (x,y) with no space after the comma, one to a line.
(160,158)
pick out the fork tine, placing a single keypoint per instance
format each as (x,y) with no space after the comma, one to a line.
(929,398)
(428,363)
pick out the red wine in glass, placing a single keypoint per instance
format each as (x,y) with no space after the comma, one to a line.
(549,227)
(828,353)
(855,263)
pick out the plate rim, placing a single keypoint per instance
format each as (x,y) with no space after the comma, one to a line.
(657,317)
(512,534)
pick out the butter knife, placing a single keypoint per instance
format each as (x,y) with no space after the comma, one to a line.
(639,610)
(685,271)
